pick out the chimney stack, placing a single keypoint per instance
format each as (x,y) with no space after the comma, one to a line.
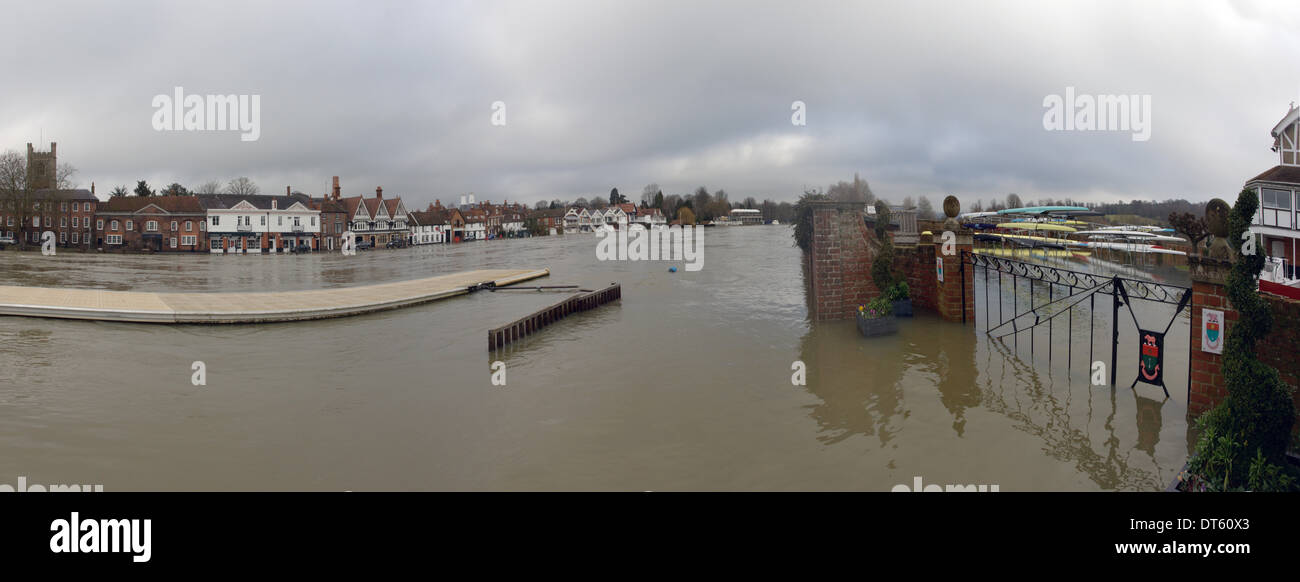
(379,192)
(92,188)
(286,191)
(336,188)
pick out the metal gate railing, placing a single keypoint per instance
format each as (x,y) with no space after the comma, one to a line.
(1076,287)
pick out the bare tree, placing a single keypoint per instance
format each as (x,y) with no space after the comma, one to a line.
(242,186)
(856,191)
(908,202)
(1013,201)
(648,194)
(924,209)
(63,176)
(119,191)
(16,192)
(209,187)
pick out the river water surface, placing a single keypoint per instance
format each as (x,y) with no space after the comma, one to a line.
(685,384)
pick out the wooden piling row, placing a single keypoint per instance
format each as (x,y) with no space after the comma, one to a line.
(530,324)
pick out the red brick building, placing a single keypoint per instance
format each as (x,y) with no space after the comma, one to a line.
(152,223)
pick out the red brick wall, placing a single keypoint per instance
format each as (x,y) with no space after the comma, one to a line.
(949,292)
(840,261)
(918,266)
(840,268)
(1279,349)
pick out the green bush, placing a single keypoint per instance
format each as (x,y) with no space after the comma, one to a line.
(803,226)
(899,291)
(1244,439)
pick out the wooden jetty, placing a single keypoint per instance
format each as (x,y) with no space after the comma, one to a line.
(530,324)
(250,307)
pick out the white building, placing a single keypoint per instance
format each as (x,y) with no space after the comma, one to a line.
(256,224)
(428,227)
(1277,220)
(746,216)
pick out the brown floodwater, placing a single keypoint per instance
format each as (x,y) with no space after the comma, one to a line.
(685,384)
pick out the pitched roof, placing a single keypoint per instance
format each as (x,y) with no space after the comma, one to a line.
(327,204)
(429,218)
(258,201)
(68,195)
(170,204)
(350,204)
(1280,174)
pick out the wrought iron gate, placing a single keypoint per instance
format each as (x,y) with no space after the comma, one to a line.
(1075,288)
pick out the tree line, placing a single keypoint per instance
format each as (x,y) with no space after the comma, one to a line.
(241,186)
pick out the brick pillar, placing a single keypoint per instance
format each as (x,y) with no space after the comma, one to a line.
(948,293)
(1206,387)
(839,261)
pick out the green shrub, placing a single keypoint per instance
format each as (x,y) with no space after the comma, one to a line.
(882,265)
(899,291)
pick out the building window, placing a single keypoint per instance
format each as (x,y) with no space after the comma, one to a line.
(189,240)
(63,207)
(313,221)
(99,224)
(63,222)
(151,226)
(189,226)
(75,223)
(173,241)
(263,220)
(279,221)
(1276,209)
(63,237)
(203,226)
(113,239)
(75,238)
(216,221)
(36,221)
(75,205)
(113,225)
(10,222)
(175,227)
(130,225)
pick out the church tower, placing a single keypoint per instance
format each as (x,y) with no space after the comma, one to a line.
(41,167)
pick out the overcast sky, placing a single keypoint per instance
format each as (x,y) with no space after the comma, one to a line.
(919,98)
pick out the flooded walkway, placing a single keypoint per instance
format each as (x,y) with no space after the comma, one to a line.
(247,307)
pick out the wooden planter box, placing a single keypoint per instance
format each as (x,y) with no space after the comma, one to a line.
(878,326)
(903,308)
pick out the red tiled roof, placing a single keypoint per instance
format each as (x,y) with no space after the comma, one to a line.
(170,204)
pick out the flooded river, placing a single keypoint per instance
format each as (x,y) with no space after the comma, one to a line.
(684,384)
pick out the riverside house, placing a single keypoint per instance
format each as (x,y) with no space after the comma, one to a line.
(260,224)
(151,223)
(429,226)
(1278,217)
(377,221)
